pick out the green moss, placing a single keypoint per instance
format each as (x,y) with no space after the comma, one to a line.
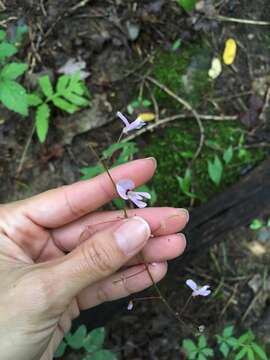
(169,145)
(184,72)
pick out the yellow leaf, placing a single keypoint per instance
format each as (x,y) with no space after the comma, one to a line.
(229,53)
(147,116)
(216,68)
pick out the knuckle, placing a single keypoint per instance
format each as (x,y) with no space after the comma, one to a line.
(97,258)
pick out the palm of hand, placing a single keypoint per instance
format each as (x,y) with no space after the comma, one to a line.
(42,288)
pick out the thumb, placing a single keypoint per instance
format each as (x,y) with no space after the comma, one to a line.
(101,255)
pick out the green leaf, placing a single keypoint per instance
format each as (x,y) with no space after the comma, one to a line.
(246,338)
(42,121)
(259,351)
(76,340)
(76,99)
(46,85)
(14,96)
(176,45)
(187,5)
(94,340)
(228,331)
(241,354)
(233,342)
(201,357)
(64,105)
(228,155)
(202,342)
(256,224)
(208,352)
(60,350)
(7,50)
(189,345)
(62,83)
(13,70)
(224,349)
(128,149)
(193,355)
(91,171)
(215,170)
(268,223)
(3,35)
(250,354)
(119,203)
(101,355)
(33,100)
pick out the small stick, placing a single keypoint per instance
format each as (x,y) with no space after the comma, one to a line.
(239,21)
(188,107)
(28,142)
(178,117)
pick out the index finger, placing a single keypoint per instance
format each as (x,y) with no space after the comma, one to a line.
(60,206)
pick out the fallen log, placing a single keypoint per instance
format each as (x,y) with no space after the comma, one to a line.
(209,224)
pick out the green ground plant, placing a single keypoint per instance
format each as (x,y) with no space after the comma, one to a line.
(12,94)
(69,95)
(89,344)
(227,346)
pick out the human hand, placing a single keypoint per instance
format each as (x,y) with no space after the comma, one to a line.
(58,257)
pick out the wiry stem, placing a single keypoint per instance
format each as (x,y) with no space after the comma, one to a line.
(162,298)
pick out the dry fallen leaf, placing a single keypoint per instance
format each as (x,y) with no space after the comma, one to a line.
(216,68)
(229,53)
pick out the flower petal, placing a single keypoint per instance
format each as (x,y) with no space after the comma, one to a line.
(123,118)
(190,283)
(123,186)
(144,194)
(204,291)
(133,197)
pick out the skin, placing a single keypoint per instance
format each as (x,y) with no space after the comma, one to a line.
(59,256)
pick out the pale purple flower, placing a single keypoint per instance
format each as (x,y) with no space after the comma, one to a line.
(125,191)
(130,305)
(197,290)
(134,125)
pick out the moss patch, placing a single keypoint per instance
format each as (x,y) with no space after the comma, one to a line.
(168,146)
(184,72)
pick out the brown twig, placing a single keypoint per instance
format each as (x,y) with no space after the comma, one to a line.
(252,303)
(239,21)
(187,105)
(178,117)
(28,142)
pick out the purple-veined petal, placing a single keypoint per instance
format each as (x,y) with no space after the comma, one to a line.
(123,118)
(134,198)
(135,125)
(123,187)
(190,283)
(144,194)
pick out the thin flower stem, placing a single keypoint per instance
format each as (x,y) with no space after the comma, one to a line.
(108,172)
(166,303)
(186,305)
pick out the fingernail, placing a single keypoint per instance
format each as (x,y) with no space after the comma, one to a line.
(185,213)
(154,161)
(132,235)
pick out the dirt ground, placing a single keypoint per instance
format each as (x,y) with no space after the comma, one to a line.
(120,42)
